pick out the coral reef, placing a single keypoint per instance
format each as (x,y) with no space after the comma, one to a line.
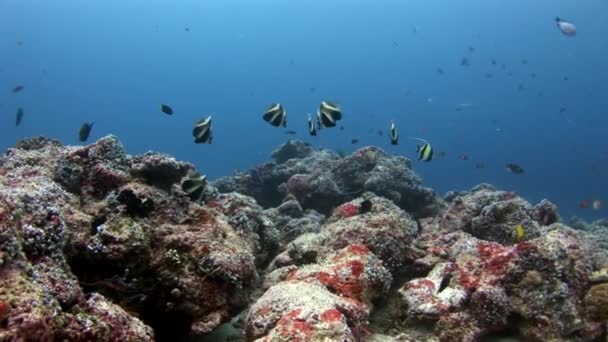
(99,245)
(322,180)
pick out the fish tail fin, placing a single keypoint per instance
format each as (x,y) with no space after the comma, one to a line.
(419,139)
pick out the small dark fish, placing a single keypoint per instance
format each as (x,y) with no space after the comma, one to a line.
(292,61)
(584,204)
(464,62)
(566,78)
(480,165)
(312,130)
(19,43)
(533,75)
(354,141)
(562,110)
(440,71)
(463,157)
(85,130)
(489,75)
(520,87)
(18,88)
(442,154)
(493,61)
(187,29)
(514,168)
(524,61)
(276,115)
(380,133)
(395,44)
(166,109)
(203,131)
(365,206)
(341,128)
(394,134)
(312,90)
(290,132)
(471,49)
(328,114)
(19,116)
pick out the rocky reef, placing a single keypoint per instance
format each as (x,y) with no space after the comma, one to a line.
(99,245)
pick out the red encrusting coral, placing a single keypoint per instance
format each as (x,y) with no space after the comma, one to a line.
(347,210)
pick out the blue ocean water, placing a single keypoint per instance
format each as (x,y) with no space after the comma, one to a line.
(114,62)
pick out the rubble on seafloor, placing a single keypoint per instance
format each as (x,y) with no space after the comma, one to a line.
(98,245)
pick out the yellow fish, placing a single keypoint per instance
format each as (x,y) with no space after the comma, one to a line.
(520,232)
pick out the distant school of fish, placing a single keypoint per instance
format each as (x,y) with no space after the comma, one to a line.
(327,116)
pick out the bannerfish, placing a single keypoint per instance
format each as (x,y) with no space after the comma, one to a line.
(194,185)
(18,88)
(166,109)
(85,130)
(514,168)
(276,115)
(567,28)
(328,114)
(312,130)
(394,134)
(425,151)
(19,116)
(202,131)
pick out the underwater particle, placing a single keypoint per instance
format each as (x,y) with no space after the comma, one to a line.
(203,131)
(442,154)
(85,130)
(19,116)
(354,141)
(480,165)
(328,114)
(463,157)
(533,75)
(567,28)
(425,151)
(291,132)
(365,206)
(464,62)
(275,115)
(584,204)
(312,90)
(440,71)
(520,232)
(395,44)
(489,75)
(194,185)
(18,88)
(471,49)
(514,168)
(19,43)
(524,61)
(166,109)
(597,205)
(312,129)
(394,135)
(520,87)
